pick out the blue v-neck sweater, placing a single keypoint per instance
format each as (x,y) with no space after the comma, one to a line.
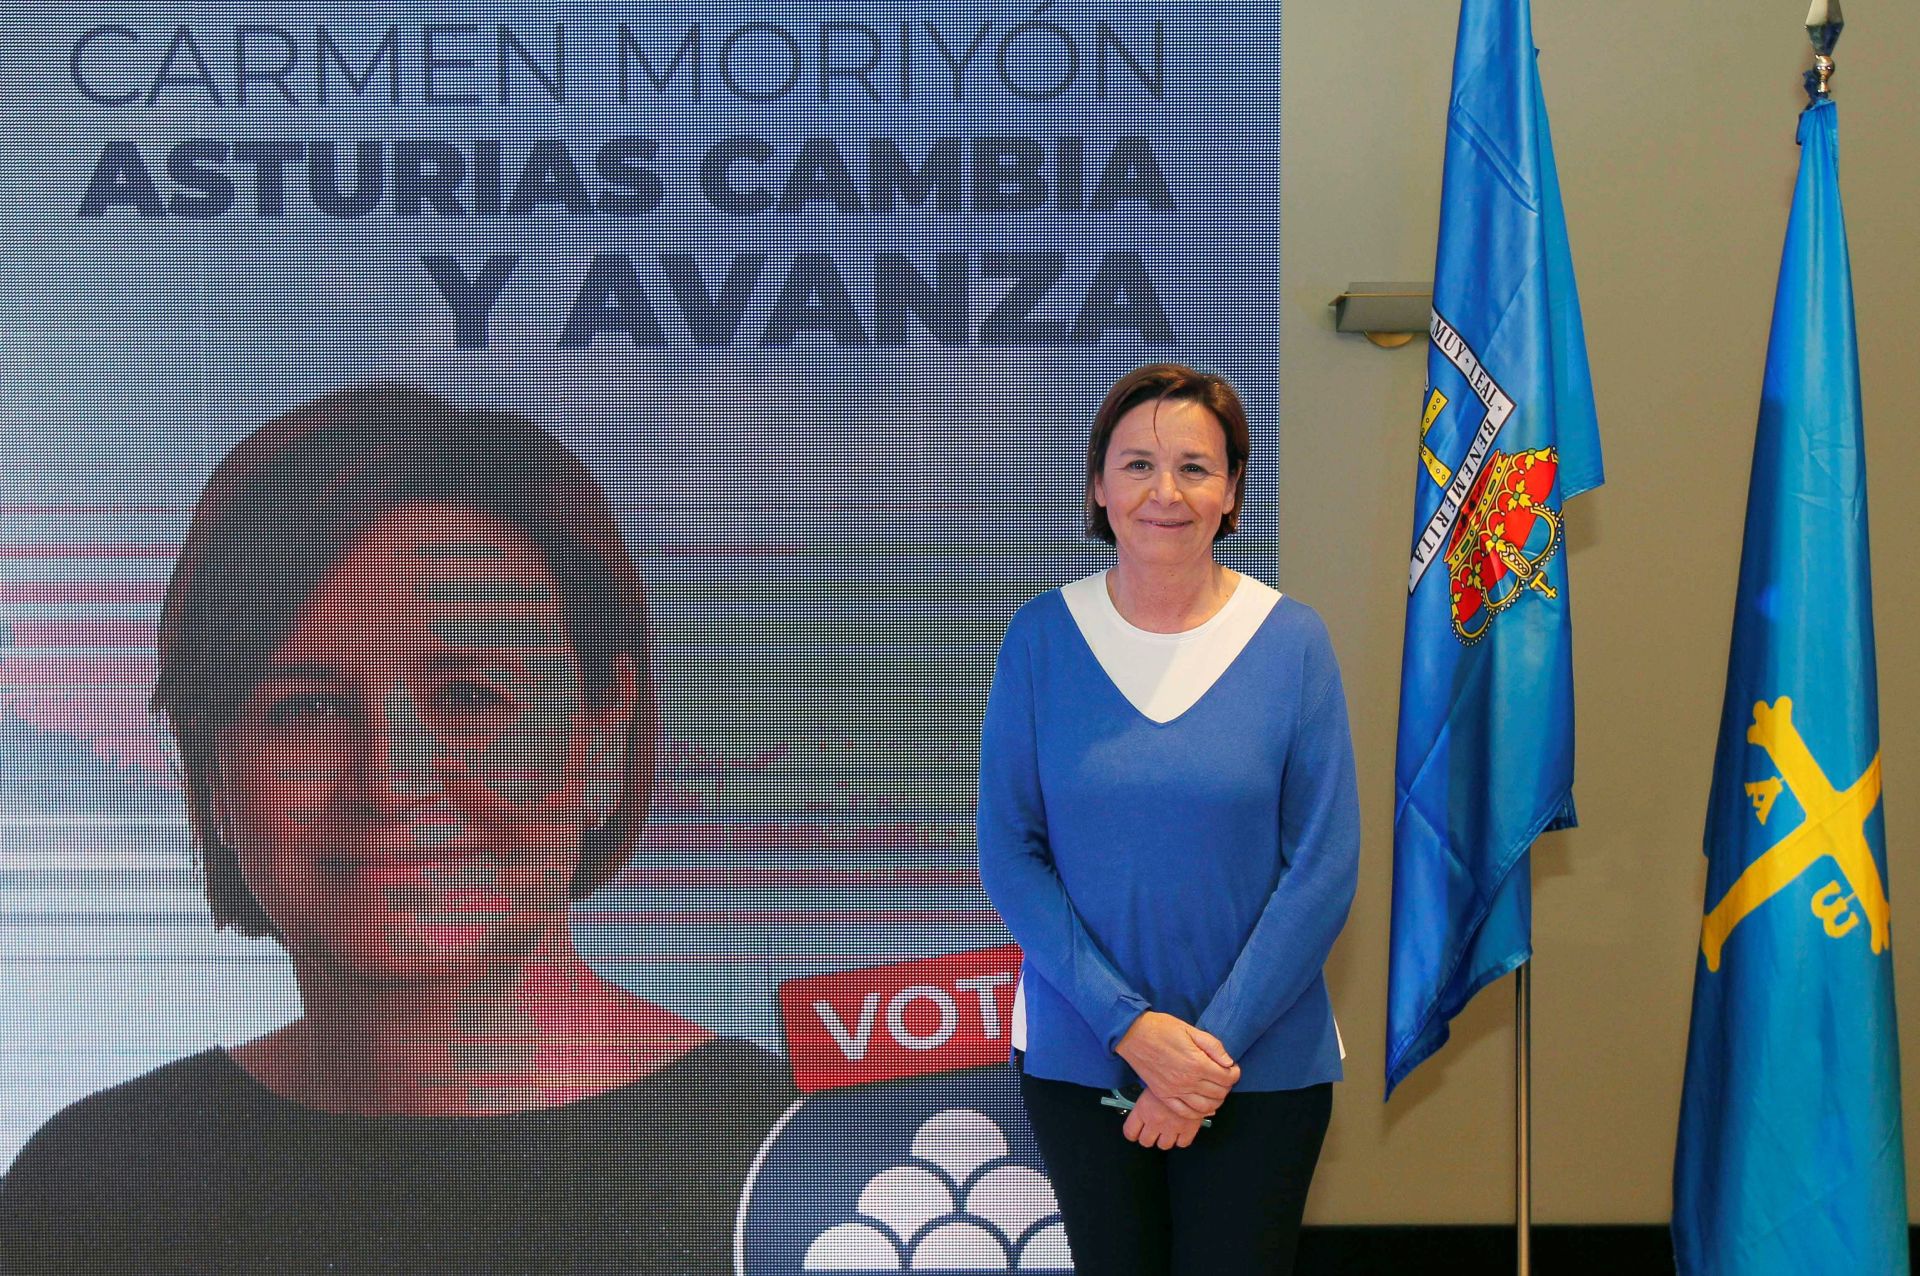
(1201,867)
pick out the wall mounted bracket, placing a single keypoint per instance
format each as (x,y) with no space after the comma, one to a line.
(1389,315)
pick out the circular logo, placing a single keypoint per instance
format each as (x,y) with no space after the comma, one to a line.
(937,1174)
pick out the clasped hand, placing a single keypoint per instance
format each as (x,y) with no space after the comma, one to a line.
(1188,1073)
(1152,1125)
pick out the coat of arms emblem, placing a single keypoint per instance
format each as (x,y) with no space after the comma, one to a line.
(1505,535)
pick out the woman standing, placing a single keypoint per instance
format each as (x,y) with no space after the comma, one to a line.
(1168,824)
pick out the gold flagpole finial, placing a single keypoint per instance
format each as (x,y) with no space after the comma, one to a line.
(1824,24)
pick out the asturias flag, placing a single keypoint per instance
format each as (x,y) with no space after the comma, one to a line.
(1485,758)
(1790,1157)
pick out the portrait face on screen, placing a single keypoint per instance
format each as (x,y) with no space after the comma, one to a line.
(408,785)
(405,634)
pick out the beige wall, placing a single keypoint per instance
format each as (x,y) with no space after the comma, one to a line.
(1674,124)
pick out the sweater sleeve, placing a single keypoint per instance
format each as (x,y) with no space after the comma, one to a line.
(1016,865)
(1320,853)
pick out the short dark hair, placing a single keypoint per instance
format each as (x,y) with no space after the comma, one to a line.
(283,506)
(1169,382)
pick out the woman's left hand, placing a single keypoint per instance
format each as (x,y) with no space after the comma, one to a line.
(1152,1124)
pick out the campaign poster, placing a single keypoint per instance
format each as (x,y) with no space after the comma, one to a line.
(824,298)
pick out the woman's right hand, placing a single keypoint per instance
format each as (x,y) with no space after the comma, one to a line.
(1189,1070)
(1151,1125)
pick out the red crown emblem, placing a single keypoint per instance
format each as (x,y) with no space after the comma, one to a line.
(1503,539)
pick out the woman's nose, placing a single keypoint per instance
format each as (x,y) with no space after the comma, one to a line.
(403,755)
(1164,487)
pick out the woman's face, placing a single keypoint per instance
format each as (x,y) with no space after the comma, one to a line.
(408,785)
(1165,483)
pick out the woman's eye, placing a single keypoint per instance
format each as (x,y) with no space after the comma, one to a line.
(308,708)
(466,696)
(1137,467)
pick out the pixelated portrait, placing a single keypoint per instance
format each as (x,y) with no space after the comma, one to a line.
(508,517)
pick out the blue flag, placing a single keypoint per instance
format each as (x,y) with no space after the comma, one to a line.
(1790,1156)
(1485,758)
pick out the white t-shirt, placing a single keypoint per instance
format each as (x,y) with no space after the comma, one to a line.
(1164,675)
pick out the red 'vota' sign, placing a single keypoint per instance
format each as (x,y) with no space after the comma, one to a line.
(901,1020)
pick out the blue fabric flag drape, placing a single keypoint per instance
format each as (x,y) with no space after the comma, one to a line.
(1790,1156)
(1485,756)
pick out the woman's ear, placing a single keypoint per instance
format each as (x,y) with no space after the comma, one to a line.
(608,729)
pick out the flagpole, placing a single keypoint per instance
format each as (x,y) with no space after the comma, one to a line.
(1523,1116)
(1824,23)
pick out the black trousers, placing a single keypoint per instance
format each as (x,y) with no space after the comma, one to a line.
(1229,1204)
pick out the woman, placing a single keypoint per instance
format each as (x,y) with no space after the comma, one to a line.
(1168,825)
(404,656)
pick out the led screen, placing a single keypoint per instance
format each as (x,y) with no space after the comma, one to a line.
(822,297)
